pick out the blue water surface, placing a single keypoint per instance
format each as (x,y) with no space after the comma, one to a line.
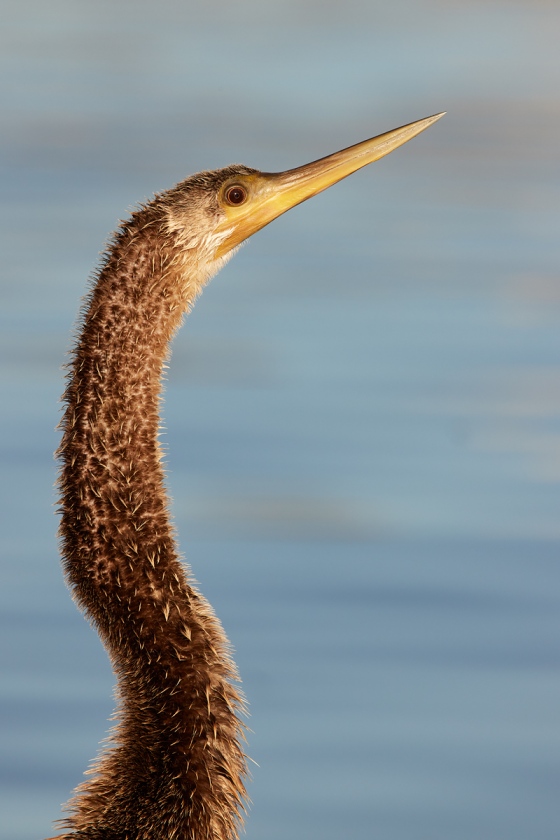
(362,414)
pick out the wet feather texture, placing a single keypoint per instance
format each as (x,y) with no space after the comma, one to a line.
(175,764)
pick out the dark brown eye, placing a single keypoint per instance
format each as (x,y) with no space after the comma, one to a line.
(236,195)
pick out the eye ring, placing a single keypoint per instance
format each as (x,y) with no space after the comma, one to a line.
(235,195)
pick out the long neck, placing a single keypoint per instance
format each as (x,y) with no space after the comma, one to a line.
(175,766)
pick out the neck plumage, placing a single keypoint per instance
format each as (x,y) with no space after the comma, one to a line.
(175,767)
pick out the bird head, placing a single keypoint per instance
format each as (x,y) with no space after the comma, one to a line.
(250,200)
(221,209)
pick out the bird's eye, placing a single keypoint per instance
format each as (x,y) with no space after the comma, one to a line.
(236,195)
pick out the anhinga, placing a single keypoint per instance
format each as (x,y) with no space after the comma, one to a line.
(175,767)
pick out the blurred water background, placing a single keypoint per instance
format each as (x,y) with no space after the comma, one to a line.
(362,414)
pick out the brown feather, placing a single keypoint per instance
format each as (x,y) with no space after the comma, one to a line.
(175,765)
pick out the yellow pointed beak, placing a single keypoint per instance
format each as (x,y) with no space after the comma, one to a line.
(266,195)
